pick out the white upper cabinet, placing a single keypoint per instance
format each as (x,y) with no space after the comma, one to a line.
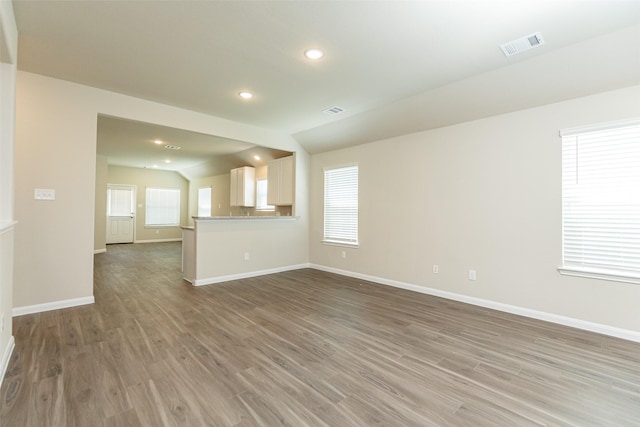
(243,186)
(280,181)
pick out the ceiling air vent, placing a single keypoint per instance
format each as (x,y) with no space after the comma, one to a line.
(523,43)
(333,111)
(172,147)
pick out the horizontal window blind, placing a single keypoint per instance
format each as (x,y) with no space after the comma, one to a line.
(204,201)
(162,206)
(341,205)
(601,199)
(261,196)
(119,201)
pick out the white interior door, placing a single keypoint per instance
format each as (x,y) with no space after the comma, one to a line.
(121,213)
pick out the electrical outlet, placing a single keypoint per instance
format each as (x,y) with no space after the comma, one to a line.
(157,231)
(44,194)
(344,254)
(436,269)
(246,256)
(472,275)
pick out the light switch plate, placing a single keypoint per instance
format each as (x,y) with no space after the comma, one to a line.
(44,194)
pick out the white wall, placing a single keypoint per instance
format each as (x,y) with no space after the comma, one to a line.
(56,148)
(220,195)
(141,179)
(8,61)
(100,223)
(483,195)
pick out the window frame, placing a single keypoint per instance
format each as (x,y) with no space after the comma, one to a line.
(595,189)
(146,208)
(266,207)
(198,206)
(331,238)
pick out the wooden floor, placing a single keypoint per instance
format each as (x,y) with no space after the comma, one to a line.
(302,348)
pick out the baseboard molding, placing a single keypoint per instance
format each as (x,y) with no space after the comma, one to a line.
(220,279)
(6,357)
(526,312)
(177,239)
(56,305)
(99,251)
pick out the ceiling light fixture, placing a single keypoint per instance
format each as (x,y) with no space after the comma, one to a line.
(245,95)
(256,157)
(167,161)
(158,142)
(313,53)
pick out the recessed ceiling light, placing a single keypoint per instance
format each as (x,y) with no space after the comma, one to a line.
(157,141)
(167,161)
(155,166)
(256,157)
(245,95)
(314,53)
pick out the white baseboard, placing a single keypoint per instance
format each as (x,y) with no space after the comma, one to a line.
(220,279)
(177,239)
(99,251)
(39,308)
(4,363)
(526,312)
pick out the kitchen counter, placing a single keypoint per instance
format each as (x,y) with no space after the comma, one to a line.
(245,218)
(221,248)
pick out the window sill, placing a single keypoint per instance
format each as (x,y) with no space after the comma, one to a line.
(594,273)
(162,226)
(337,243)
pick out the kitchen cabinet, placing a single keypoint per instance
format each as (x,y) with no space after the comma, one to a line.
(243,187)
(280,181)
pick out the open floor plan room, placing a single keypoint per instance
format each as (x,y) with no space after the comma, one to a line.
(302,348)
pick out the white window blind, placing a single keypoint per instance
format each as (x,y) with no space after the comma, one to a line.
(162,206)
(601,201)
(341,205)
(261,196)
(204,201)
(119,201)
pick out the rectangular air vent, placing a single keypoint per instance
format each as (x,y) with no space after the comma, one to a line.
(522,44)
(172,147)
(333,111)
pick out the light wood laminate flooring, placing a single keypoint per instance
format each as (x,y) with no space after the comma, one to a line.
(302,348)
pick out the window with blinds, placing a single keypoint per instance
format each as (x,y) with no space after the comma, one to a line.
(162,207)
(261,196)
(601,201)
(204,201)
(341,205)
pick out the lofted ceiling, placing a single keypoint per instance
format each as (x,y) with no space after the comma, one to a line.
(395,67)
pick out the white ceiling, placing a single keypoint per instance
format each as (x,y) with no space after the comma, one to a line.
(395,66)
(133,144)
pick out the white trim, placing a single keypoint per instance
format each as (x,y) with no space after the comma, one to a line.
(48,306)
(626,334)
(6,226)
(4,364)
(99,251)
(177,239)
(593,273)
(339,243)
(220,279)
(600,127)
